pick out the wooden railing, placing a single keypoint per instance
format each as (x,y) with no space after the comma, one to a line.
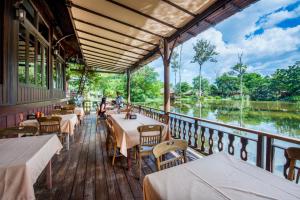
(263,149)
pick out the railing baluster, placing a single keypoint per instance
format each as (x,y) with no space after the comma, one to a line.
(195,134)
(230,146)
(175,127)
(286,165)
(220,141)
(171,126)
(244,153)
(179,128)
(202,139)
(184,130)
(260,151)
(189,132)
(211,141)
(269,154)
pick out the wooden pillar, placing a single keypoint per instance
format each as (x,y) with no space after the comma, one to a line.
(166,54)
(128,86)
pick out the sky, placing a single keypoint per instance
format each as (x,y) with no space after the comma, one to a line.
(267,33)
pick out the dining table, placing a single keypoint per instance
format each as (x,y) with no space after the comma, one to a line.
(127,135)
(22,160)
(79,112)
(218,177)
(67,125)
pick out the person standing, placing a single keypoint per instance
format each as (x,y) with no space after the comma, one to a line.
(119,100)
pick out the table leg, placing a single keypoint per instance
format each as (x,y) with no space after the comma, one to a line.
(49,175)
(68,142)
(128,159)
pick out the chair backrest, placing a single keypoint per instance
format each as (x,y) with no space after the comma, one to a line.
(70,108)
(293,154)
(57,107)
(147,139)
(110,128)
(179,146)
(15,131)
(164,118)
(49,124)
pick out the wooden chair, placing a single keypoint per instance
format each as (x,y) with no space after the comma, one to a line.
(18,131)
(57,107)
(293,154)
(148,141)
(111,139)
(163,118)
(170,146)
(50,125)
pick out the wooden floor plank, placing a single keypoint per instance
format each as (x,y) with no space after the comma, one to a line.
(86,172)
(79,181)
(100,179)
(89,189)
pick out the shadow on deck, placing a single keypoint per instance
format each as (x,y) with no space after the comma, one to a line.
(85,171)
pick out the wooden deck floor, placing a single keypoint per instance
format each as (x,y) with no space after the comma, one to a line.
(85,171)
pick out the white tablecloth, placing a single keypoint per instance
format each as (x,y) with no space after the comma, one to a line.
(21,162)
(216,177)
(79,111)
(126,130)
(67,124)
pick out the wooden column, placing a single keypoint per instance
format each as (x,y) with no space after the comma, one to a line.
(167,101)
(128,86)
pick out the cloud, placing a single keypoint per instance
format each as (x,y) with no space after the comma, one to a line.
(272,48)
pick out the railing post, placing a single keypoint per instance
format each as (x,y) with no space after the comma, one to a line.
(195,134)
(269,154)
(140,109)
(260,151)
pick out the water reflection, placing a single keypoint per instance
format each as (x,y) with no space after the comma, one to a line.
(273,117)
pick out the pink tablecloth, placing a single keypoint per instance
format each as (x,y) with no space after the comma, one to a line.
(217,177)
(126,130)
(79,111)
(21,162)
(68,123)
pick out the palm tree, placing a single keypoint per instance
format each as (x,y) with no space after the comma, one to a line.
(204,51)
(240,69)
(175,65)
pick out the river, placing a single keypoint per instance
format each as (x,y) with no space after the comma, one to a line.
(270,116)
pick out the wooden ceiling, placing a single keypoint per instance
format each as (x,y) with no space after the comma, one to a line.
(116,35)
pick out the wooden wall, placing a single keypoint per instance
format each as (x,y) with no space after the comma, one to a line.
(9,115)
(18,98)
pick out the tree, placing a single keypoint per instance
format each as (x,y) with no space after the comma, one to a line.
(145,84)
(175,64)
(205,86)
(183,87)
(227,85)
(240,69)
(204,51)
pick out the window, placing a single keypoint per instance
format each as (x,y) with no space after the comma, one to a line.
(33,49)
(31,59)
(22,55)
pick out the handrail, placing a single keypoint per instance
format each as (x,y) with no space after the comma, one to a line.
(261,133)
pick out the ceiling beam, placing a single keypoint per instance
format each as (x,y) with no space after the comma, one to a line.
(82,38)
(101,57)
(98,48)
(179,7)
(113,19)
(99,53)
(109,62)
(142,14)
(106,66)
(100,71)
(112,31)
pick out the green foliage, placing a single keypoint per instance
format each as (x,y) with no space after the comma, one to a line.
(227,85)
(145,84)
(183,87)
(204,51)
(204,85)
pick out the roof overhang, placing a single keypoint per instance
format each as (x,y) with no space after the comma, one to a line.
(116,35)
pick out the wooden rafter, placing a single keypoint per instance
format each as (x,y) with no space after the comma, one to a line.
(113,19)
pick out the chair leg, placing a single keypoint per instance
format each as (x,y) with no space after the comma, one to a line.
(114,156)
(140,166)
